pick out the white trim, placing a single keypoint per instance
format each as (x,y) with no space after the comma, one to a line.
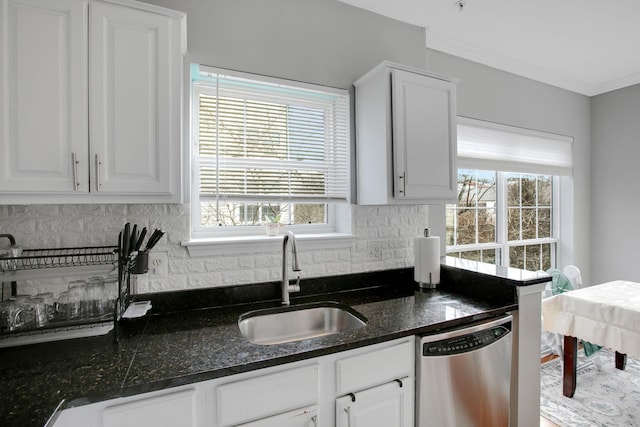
(252,244)
(493,59)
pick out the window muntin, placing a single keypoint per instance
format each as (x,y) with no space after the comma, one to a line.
(267,151)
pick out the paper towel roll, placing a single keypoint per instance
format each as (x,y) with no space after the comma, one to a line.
(427,264)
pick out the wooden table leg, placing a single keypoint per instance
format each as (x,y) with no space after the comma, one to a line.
(569,366)
(621,361)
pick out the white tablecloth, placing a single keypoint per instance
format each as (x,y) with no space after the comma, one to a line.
(606,314)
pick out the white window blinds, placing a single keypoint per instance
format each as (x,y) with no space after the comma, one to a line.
(491,146)
(265,140)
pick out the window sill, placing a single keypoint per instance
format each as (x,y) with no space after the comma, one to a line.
(242,244)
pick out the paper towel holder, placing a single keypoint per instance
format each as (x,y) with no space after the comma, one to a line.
(427,276)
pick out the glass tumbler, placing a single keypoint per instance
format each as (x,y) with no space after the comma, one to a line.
(77,308)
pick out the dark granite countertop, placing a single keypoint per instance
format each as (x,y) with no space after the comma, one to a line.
(183,342)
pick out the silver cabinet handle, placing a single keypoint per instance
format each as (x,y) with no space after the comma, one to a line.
(74,167)
(314,420)
(98,163)
(403,177)
(348,411)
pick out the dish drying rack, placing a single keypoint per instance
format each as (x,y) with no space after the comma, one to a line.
(32,262)
(43,263)
(37,259)
(52,262)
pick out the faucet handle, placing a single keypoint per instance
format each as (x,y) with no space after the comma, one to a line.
(296,287)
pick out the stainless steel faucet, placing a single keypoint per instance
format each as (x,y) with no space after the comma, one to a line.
(295,265)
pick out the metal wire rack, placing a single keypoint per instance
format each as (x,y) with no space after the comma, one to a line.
(32,259)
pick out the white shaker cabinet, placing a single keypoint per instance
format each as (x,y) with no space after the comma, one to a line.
(376,388)
(406,142)
(43,96)
(169,410)
(387,405)
(92,108)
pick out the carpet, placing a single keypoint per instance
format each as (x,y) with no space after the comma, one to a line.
(605,396)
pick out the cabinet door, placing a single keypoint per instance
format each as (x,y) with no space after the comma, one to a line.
(307,417)
(132,64)
(170,410)
(387,405)
(424,137)
(43,96)
(266,395)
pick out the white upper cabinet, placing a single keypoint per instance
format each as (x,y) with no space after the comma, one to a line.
(43,96)
(91,105)
(405,137)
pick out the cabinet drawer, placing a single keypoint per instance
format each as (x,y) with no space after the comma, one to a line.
(266,395)
(172,409)
(376,367)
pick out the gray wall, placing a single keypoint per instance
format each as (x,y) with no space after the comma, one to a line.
(316,41)
(289,39)
(489,94)
(615,185)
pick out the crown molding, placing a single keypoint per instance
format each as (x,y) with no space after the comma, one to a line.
(506,63)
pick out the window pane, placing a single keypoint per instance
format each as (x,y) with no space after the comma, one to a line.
(516,257)
(489,256)
(528,190)
(513,189)
(471,255)
(513,224)
(544,190)
(309,213)
(486,188)
(531,257)
(474,220)
(544,223)
(529,224)
(258,213)
(532,253)
(466,188)
(466,231)
(486,225)
(483,255)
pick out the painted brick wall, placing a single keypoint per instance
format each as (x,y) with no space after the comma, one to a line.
(54,226)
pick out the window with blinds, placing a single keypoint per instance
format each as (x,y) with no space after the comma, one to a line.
(267,150)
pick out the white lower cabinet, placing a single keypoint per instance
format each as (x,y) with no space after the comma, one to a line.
(376,388)
(251,399)
(387,405)
(174,409)
(368,386)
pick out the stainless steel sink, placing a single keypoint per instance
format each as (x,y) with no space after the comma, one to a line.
(294,323)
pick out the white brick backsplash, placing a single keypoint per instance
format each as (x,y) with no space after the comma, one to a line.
(51,226)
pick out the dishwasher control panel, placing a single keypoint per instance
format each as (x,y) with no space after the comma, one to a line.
(465,343)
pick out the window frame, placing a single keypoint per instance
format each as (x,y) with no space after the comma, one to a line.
(338,222)
(502,245)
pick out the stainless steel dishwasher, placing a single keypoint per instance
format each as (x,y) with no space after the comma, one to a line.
(464,376)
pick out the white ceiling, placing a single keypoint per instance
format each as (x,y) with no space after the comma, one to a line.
(586,46)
